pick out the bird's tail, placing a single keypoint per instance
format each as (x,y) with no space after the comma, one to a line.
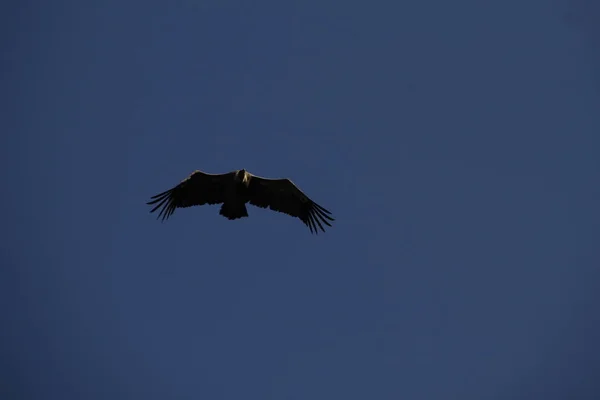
(234,210)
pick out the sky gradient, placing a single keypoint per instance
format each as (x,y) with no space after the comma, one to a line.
(456,144)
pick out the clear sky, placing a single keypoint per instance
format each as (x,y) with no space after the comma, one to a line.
(456,143)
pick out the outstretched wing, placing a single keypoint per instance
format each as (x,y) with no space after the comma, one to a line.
(197,189)
(283,196)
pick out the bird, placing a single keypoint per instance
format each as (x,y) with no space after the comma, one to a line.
(236,188)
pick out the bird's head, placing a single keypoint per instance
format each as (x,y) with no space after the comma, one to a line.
(241,175)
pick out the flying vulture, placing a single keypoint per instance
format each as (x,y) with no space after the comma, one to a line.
(235,189)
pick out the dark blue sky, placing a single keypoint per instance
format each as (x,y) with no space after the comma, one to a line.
(455,142)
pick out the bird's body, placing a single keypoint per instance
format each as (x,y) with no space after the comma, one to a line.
(236,197)
(236,189)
